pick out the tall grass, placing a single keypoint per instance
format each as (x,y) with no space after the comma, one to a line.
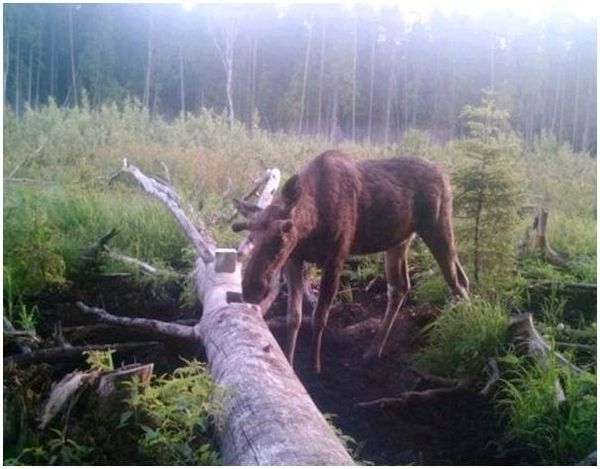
(463,338)
(559,433)
(58,199)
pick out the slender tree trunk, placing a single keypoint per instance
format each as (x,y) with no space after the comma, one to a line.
(371,89)
(18,75)
(354,73)
(38,72)
(574,131)
(334,112)
(253,84)
(493,64)
(405,94)
(229,86)
(6,61)
(476,255)
(561,114)
(52,57)
(305,78)
(388,101)
(181,86)
(72,51)
(588,113)
(321,72)
(226,52)
(30,76)
(146,98)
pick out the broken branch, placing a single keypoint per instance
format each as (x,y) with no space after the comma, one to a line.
(151,325)
(202,242)
(70,353)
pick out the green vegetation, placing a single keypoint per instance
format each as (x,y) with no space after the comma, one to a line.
(487,183)
(558,432)
(168,422)
(463,338)
(61,198)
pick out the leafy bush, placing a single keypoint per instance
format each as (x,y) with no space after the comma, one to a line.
(175,414)
(463,338)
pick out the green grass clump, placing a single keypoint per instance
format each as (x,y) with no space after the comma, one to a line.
(433,290)
(463,338)
(559,433)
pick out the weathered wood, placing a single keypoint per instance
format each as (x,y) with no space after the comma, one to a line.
(268,417)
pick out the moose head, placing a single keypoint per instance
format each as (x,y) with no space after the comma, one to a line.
(272,238)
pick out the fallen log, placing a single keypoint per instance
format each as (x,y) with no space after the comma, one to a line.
(268,417)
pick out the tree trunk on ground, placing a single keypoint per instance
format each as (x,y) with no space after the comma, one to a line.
(268,417)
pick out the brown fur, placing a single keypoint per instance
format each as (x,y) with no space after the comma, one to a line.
(335,207)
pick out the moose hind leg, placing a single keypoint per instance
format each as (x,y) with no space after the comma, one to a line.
(398,285)
(294,280)
(439,239)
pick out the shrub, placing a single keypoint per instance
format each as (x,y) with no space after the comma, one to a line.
(463,338)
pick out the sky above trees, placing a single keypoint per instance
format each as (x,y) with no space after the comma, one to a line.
(355,72)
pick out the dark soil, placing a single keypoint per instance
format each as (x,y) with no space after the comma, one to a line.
(454,430)
(457,430)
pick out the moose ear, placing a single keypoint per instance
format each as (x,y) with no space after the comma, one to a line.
(285,226)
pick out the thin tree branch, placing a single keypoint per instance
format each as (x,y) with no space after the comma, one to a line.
(200,238)
(151,325)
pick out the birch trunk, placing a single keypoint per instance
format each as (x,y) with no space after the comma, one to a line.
(321,72)
(146,98)
(72,53)
(305,78)
(371,89)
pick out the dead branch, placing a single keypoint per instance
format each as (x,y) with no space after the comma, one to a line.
(71,353)
(414,398)
(492,365)
(201,239)
(150,325)
(436,380)
(590,348)
(143,266)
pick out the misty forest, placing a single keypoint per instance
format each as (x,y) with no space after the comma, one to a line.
(291,234)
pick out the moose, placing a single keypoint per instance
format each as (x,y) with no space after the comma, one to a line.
(335,207)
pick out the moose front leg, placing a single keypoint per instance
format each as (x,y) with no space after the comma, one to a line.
(329,285)
(295,287)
